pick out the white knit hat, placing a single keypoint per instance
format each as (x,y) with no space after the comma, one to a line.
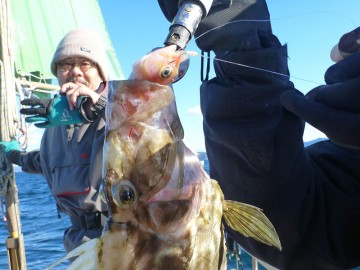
(81,43)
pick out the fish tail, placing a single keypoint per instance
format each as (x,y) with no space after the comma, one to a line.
(86,253)
(251,222)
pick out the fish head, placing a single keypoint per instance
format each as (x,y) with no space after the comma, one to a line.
(144,184)
(155,188)
(159,66)
(144,180)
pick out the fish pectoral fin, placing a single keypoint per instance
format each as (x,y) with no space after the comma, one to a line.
(251,222)
(82,249)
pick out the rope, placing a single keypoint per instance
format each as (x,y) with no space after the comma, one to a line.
(9,123)
(22,139)
(8,110)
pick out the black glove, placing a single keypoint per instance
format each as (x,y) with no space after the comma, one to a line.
(347,69)
(334,108)
(47,112)
(348,44)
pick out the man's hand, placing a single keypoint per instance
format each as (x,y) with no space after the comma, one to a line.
(87,101)
(50,112)
(75,90)
(6,147)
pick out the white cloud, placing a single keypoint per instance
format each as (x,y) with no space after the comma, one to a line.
(194,110)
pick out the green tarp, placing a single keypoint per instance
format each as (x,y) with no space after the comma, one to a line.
(39,25)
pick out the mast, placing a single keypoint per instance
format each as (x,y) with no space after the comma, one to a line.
(9,122)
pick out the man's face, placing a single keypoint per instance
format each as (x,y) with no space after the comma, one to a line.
(79,70)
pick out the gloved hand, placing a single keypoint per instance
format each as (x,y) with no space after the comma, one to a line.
(50,112)
(334,108)
(6,147)
(348,44)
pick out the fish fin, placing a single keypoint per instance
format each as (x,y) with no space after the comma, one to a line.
(251,222)
(80,250)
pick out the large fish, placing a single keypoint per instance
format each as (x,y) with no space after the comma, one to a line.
(164,210)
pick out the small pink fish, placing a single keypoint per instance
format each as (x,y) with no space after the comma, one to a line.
(160,66)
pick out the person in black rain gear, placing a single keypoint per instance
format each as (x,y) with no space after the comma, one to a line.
(254,125)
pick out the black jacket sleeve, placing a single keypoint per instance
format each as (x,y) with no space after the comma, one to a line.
(256,153)
(28,161)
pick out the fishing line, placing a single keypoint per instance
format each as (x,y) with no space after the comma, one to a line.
(247,66)
(263,21)
(259,69)
(278,19)
(266,70)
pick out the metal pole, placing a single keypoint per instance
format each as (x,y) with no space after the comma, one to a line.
(14,242)
(254,263)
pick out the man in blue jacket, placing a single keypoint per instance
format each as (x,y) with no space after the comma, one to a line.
(253,127)
(71,151)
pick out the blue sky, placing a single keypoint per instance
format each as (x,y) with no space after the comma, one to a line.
(310,28)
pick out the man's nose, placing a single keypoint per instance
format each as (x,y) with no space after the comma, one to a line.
(75,69)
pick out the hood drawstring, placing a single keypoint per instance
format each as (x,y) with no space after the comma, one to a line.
(207,67)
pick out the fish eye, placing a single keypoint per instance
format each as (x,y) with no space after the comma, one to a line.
(123,193)
(165,73)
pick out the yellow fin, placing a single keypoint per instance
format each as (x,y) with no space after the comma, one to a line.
(87,253)
(251,222)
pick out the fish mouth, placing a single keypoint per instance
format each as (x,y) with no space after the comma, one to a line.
(183,61)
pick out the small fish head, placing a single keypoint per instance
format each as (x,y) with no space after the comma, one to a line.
(160,66)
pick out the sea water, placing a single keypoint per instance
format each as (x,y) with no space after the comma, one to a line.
(41,227)
(43,230)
